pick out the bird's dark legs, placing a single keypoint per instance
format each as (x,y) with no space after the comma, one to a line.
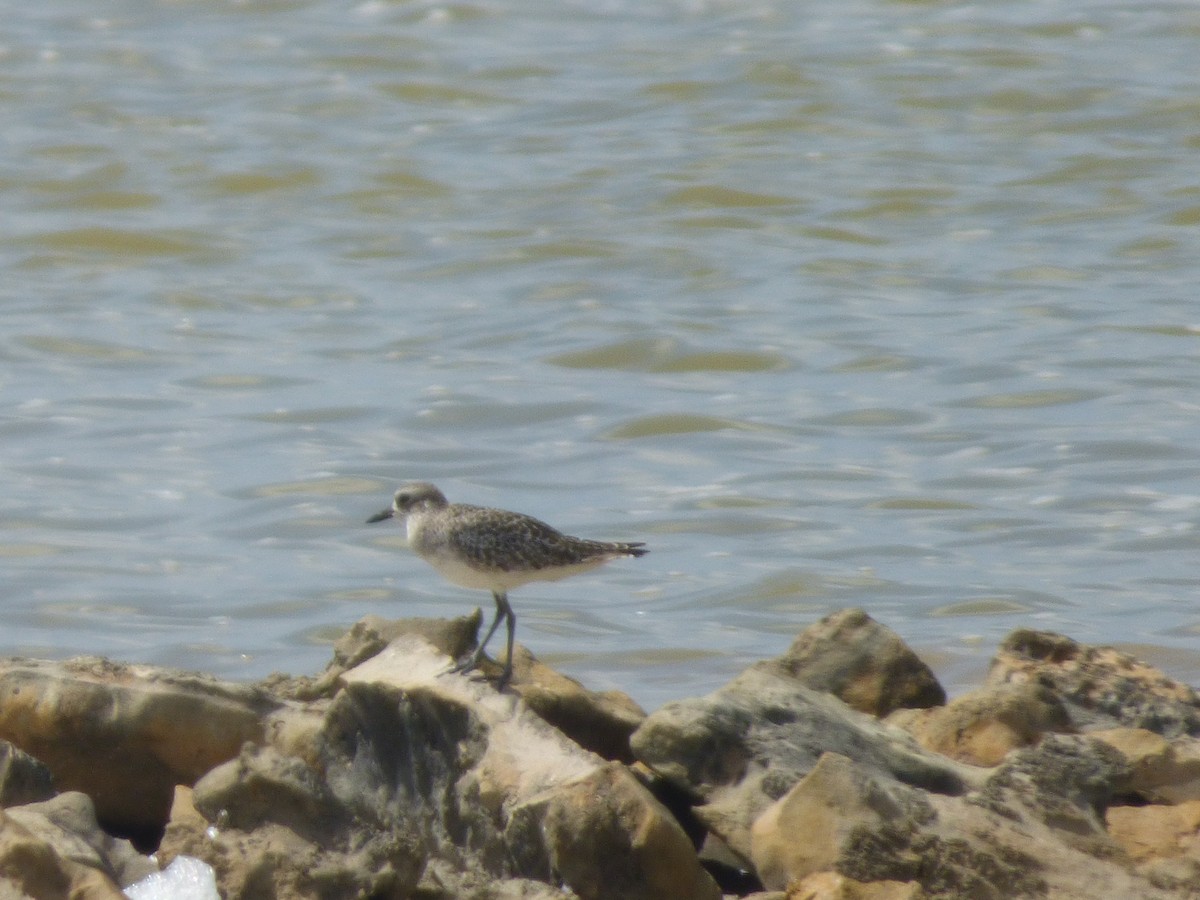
(512,628)
(503,611)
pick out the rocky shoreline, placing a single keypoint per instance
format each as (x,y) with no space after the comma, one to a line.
(837,770)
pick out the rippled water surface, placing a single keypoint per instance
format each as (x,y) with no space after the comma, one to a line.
(885,304)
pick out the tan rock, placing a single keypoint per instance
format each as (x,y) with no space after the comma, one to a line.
(184,814)
(67,822)
(368,637)
(1155,832)
(805,830)
(743,746)
(545,793)
(864,664)
(982,727)
(608,837)
(1164,841)
(125,735)
(352,795)
(270,861)
(598,721)
(1102,687)
(832,886)
(33,863)
(392,777)
(1164,771)
(1028,833)
(278,825)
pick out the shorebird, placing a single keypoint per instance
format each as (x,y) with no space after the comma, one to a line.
(492,549)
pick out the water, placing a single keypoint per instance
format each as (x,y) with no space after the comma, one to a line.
(874,303)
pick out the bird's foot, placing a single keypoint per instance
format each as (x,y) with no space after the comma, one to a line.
(466,665)
(472,662)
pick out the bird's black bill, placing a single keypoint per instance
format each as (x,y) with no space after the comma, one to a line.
(381,515)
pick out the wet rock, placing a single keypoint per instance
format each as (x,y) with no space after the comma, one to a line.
(864,664)
(1101,686)
(744,746)
(982,727)
(125,735)
(1162,771)
(23,779)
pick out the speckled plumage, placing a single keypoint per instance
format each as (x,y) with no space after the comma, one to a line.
(492,549)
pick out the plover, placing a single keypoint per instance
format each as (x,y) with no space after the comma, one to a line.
(492,549)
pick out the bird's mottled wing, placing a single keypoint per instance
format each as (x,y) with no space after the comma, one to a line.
(512,542)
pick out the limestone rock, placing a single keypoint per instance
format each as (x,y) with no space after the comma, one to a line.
(368,637)
(1163,771)
(353,796)
(806,830)
(799,784)
(333,823)
(1154,832)
(445,881)
(1014,837)
(391,777)
(1066,782)
(515,793)
(870,829)
(184,816)
(39,860)
(607,837)
(125,735)
(833,886)
(1163,840)
(1101,686)
(742,747)
(598,721)
(982,727)
(864,664)
(67,822)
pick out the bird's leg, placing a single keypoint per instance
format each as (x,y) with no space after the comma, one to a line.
(502,610)
(512,627)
